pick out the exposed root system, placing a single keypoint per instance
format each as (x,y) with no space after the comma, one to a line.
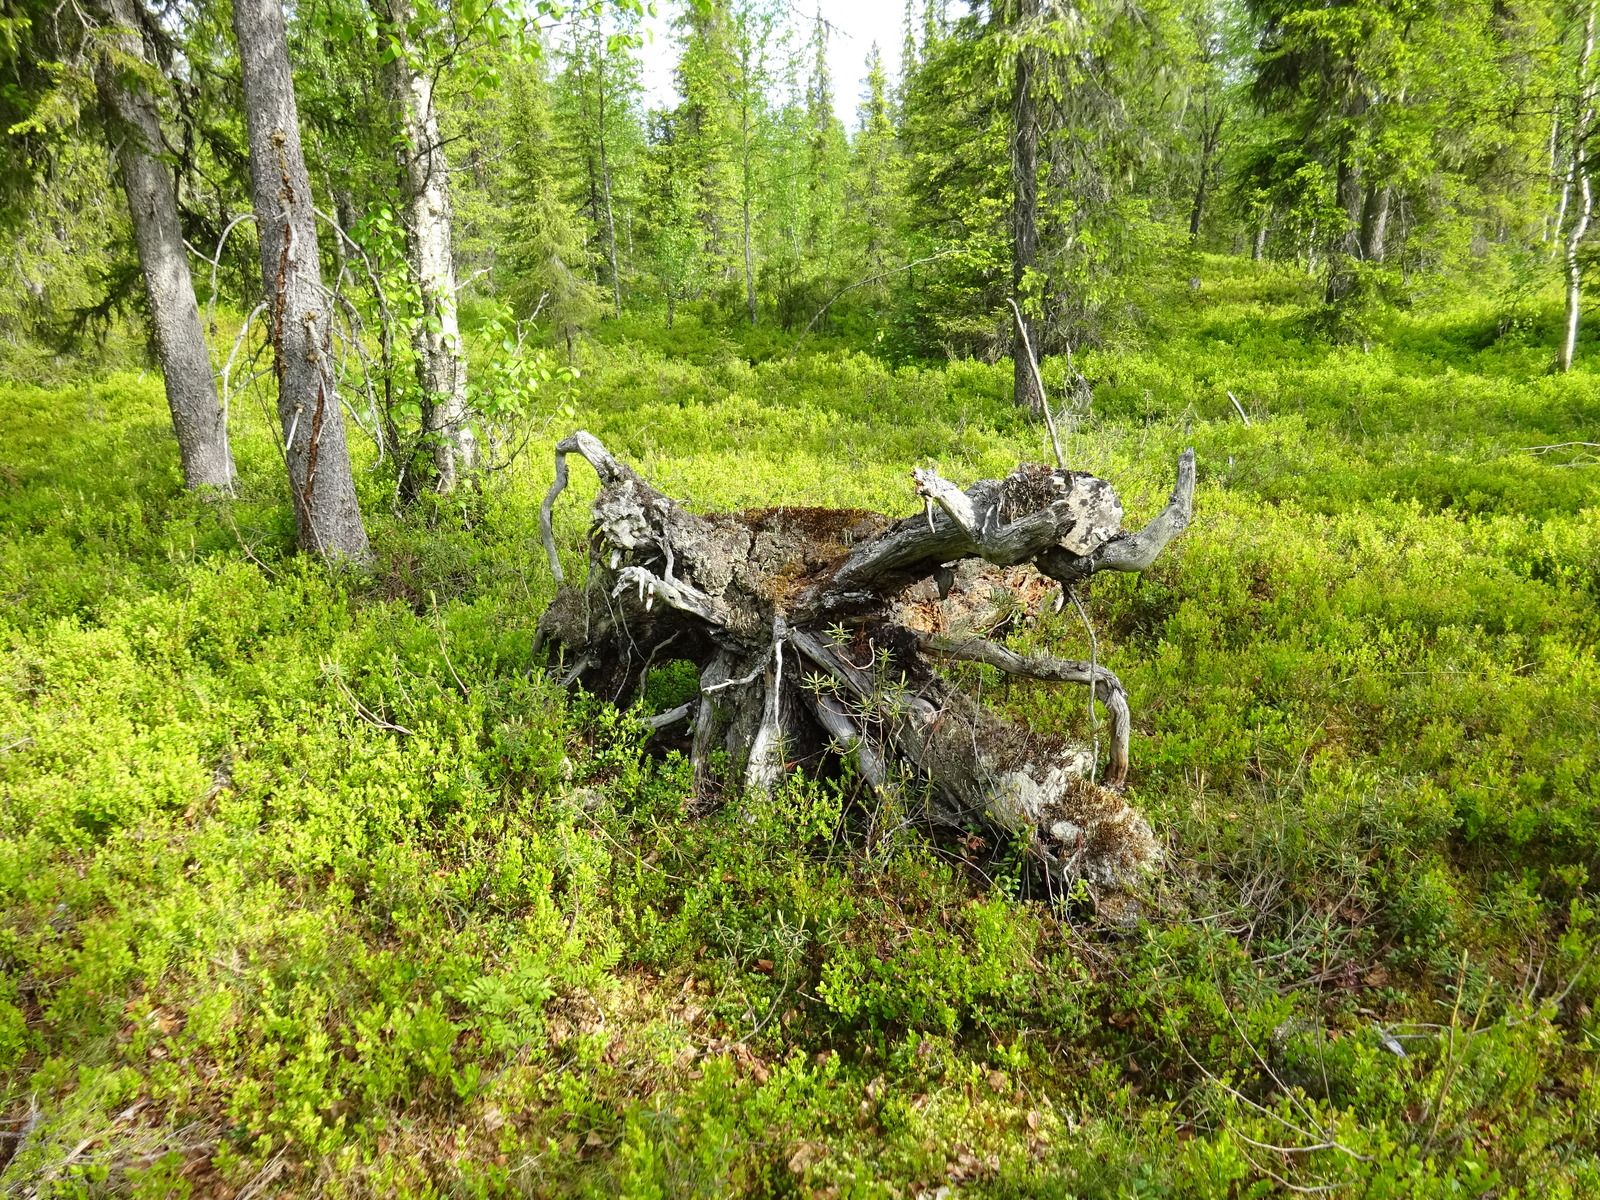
(818,630)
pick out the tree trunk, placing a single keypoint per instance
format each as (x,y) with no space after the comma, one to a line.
(1346,249)
(436,336)
(1375,221)
(322,488)
(1582,206)
(1545,234)
(1577,201)
(816,632)
(749,262)
(340,260)
(1258,247)
(605,184)
(1024,213)
(744,187)
(1208,149)
(197,418)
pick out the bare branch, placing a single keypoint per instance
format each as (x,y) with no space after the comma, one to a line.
(1058,670)
(810,325)
(1038,379)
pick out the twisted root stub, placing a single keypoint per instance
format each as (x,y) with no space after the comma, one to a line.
(816,632)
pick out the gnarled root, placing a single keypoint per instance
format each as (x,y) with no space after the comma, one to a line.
(800,622)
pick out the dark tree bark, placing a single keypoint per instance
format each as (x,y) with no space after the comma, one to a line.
(1210,137)
(1024,211)
(197,416)
(322,488)
(817,631)
(1346,248)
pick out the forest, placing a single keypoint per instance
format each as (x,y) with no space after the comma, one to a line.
(612,600)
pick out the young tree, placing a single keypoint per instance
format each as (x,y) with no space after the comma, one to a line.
(783,232)
(1208,113)
(598,91)
(826,160)
(671,218)
(753,26)
(705,131)
(545,255)
(876,172)
(1025,67)
(322,487)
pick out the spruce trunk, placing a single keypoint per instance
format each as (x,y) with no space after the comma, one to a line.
(327,517)
(197,418)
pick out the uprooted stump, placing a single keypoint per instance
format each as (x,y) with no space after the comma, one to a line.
(816,630)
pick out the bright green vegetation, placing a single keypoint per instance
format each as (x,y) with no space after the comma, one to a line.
(313,880)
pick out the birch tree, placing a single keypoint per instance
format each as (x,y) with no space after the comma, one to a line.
(1576,117)
(409,78)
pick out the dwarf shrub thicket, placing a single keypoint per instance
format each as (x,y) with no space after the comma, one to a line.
(312,882)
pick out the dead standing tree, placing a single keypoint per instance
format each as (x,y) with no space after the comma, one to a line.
(818,628)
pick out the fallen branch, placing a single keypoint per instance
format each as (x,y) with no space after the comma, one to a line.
(1038,380)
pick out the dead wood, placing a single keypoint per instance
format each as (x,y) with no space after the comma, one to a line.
(816,632)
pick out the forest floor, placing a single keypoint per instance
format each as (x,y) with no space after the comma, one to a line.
(311,884)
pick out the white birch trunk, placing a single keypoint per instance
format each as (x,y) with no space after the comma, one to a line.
(436,336)
(1576,198)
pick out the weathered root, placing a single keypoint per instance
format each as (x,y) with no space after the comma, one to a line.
(804,624)
(1107,687)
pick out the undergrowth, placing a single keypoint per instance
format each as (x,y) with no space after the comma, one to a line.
(311,883)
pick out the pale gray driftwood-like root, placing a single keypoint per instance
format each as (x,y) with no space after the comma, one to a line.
(1107,687)
(800,622)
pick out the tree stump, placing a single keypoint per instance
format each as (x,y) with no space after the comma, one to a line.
(817,631)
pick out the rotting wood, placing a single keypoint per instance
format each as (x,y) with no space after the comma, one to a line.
(816,633)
